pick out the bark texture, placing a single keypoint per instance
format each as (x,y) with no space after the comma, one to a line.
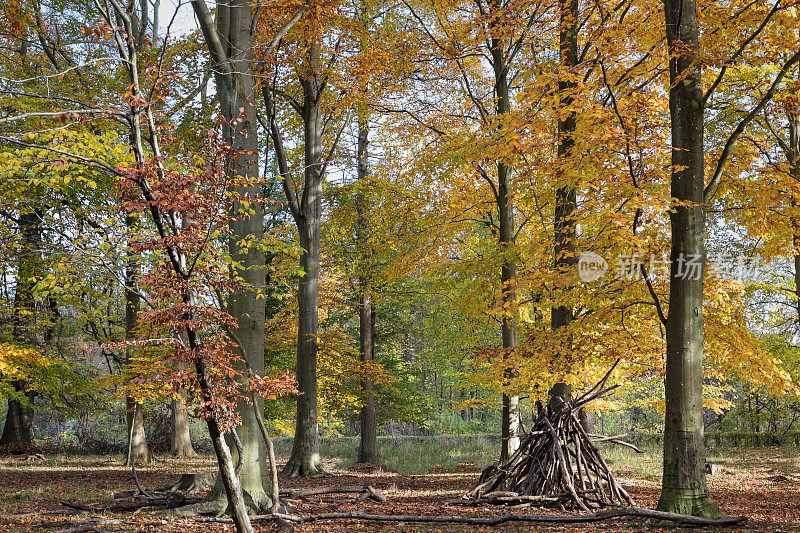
(137,450)
(684,489)
(368,443)
(793,158)
(18,430)
(565,257)
(305,458)
(180,437)
(230,42)
(506,240)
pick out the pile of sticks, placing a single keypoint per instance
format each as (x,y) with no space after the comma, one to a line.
(556,465)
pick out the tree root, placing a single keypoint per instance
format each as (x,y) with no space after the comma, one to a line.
(305,466)
(608,514)
(215,504)
(193,483)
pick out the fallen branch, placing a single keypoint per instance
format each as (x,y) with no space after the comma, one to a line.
(82,529)
(366,491)
(78,526)
(41,513)
(607,514)
(613,440)
(189,484)
(170,500)
(81,507)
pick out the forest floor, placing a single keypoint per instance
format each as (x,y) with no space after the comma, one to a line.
(761,483)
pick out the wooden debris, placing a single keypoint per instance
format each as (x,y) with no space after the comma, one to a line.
(364,491)
(124,502)
(606,514)
(556,465)
(79,526)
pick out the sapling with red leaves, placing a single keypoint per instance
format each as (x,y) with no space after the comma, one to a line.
(194,205)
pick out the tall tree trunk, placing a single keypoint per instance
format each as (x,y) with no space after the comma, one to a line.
(305,459)
(508,270)
(18,430)
(793,158)
(368,445)
(230,42)
(137,450)
(180,437)
(566,197)
(683,488)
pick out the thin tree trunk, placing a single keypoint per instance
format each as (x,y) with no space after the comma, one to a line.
(368,445)
(793,157)
(180,438)
(684,489)
(138,451)
(232,484)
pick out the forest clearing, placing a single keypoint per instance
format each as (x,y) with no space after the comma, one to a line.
(761,483)
(390,264)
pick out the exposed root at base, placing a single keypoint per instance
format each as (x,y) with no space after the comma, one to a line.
(295,469)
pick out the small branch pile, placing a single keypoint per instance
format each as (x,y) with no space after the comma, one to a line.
(556,465)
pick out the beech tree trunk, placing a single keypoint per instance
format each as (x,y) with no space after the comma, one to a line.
(230,42)
(506,242)
(137,450)
(305,459)
(180,438)
(18,430)
(684,489)
(368,445)
(565,257)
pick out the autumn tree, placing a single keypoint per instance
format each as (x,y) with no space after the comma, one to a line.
(684,486)
(17,431)
(312,71)
(230,40)
(494,36)
(564,254)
